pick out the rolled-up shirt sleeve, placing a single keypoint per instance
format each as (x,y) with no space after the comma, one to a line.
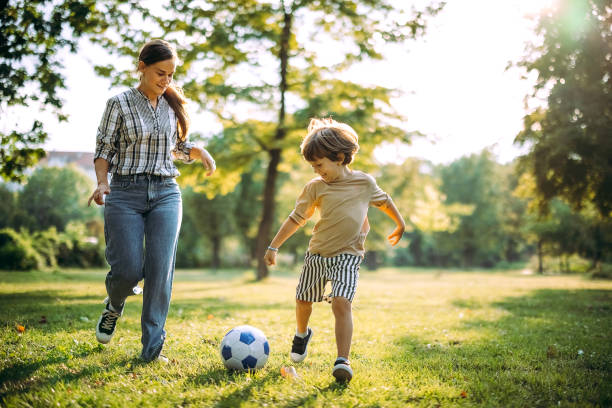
(108,131)
(378,197)
(304,206)
(182,150)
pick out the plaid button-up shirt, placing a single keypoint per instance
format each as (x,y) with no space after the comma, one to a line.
(136,139)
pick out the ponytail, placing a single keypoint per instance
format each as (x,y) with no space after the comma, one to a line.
(176,99)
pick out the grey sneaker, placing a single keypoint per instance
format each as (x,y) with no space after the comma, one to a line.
(342,371)
(298,349)
(107,323)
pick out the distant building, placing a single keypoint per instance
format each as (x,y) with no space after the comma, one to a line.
(82,160)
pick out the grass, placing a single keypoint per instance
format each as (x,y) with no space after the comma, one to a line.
(422,338)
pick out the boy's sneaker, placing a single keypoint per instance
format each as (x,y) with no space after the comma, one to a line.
(298,349)
(342,370)
(107,323)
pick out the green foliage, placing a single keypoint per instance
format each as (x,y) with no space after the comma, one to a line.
(211,220)
(55,196)
(569,139)
(8,205)
(17,252)
(32,36)
(482,237)
(269,44)
(422,339)
(18,151)
(80,247)
(44,249)
(563,232)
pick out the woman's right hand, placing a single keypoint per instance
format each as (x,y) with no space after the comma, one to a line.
(99,193)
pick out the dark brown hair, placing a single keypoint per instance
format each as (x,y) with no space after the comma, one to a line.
(160,50)
(328,138)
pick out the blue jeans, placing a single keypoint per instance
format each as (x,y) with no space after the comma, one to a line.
(142,218)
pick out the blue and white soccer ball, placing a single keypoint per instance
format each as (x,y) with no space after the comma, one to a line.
(244,348)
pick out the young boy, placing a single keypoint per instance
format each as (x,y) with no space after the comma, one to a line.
(336,248)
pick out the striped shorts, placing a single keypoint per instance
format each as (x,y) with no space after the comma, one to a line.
(342,270)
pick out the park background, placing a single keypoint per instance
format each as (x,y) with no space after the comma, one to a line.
(488,123)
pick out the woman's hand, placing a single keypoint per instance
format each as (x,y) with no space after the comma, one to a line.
(207,161)
(99,193)
(270,257)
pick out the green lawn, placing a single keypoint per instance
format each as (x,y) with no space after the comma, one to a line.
(422,338)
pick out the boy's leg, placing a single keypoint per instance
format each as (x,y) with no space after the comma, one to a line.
(303,310)
(309,290)
(344,274)
(344,325)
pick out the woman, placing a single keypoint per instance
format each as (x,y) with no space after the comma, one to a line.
(142,130)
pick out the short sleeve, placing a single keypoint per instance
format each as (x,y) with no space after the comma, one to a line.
(108,131)
(377,196)
(304,205)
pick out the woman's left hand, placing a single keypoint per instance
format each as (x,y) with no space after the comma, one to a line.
(208,161)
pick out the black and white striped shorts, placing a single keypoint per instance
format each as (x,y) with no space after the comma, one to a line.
(342,270)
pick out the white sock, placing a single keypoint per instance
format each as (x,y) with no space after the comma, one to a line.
(344,359)
(301,335)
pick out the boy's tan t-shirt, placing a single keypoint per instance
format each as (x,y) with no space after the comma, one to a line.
(343,205)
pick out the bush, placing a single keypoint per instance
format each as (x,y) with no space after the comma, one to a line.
(78,248)
(47,244)
(17,252)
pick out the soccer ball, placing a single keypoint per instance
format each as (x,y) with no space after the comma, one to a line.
(244,348)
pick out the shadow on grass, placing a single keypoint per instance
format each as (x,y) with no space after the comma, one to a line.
(52,310)
(19,378)
(551,347)
(258,383)
(49,310)
(334,388)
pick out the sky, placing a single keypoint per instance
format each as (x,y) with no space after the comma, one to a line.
(456,88)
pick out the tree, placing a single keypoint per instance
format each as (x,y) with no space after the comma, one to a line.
(415,191)
(488,234)
(569,139)
(8,206)
(248,54)
(212,219)
(562,231)
(55,196)
(32,36)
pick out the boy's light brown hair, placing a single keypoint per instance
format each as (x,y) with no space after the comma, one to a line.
(328,138)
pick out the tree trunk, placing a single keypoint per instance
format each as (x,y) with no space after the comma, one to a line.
(267,217)
(371,260)
(540,256)
(216,252)
(598,250)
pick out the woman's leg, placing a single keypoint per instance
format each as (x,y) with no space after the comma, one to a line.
(162,226)
(124,233)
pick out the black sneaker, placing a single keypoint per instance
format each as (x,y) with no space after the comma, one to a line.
(342,370)
(107,324)
(298,350)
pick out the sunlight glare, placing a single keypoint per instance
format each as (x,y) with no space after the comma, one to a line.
(532,8)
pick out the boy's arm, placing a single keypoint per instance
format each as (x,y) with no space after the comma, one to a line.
(284,232)
(391,210)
